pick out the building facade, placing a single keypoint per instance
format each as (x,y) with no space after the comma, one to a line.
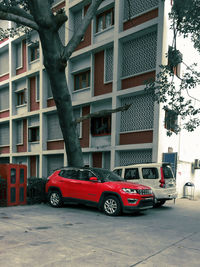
(122,48)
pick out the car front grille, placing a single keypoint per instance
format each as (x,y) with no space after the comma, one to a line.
(144,191)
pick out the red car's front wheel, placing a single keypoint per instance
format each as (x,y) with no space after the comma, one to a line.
(111,206)
(55,199)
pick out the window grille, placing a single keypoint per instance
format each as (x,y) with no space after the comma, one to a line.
(106,160)
(4,98)
(4,134)
(77,19)
(4,62)
(49,91)
(140,114)
(19,55)
(134,7)
(19,132)
(62,33)
(139,54)
(37,87)
(135,156)
(54,162)
(109,64)
(77,114)
(53,127)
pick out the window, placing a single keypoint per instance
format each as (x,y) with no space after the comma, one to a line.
(4,63)
(4,98)
(37,88)
(21,97)
(101,126)
(175,59)
(108,75)
(54,162)
(53,128)
(13,176)
(70,174)
(118,172)
(105,20)
(18,55)
(34,52)
(21,194)
(12,194)
(150,173)
(78,17)
(77,114)
(21,176)
(85,175)
(20,132)
(167,171)
(171,120)
(4,134)
(131,174)
(48,84)
(82,80)
(34,134)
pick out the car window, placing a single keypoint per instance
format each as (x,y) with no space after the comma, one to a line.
(118,172)
(106,176)
(85,175)
(131,174)
(167,171)
(150,173)
(70,174)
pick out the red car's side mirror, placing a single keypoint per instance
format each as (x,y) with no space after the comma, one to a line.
(93,179)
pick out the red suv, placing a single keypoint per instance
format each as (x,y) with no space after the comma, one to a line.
(98,187)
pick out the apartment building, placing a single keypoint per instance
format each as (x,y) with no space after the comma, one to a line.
(121,49)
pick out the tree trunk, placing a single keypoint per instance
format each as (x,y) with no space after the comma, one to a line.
(52,49)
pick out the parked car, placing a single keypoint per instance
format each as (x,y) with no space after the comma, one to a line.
(97,187)
(158,176)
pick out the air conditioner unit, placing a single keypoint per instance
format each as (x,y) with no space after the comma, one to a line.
(197,164)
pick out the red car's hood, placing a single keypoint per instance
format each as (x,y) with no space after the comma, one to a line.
(126,185)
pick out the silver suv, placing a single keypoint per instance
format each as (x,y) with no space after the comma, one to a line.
(158,176)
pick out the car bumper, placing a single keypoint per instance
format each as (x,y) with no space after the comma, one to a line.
(166,195)
(143,205)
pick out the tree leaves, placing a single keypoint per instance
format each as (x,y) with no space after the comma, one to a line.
(177,98)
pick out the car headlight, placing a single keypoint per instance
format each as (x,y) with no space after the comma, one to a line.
(129,190)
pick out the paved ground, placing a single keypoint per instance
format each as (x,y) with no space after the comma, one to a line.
(74,236)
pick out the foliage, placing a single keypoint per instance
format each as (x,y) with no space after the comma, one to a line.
(185,21)
(185,14)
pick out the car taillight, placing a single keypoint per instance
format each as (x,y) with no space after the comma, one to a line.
(162,180)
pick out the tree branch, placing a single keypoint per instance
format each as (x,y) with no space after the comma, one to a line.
(102,113)
(18,19)
(60,19)
(16,11)
(69,49)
